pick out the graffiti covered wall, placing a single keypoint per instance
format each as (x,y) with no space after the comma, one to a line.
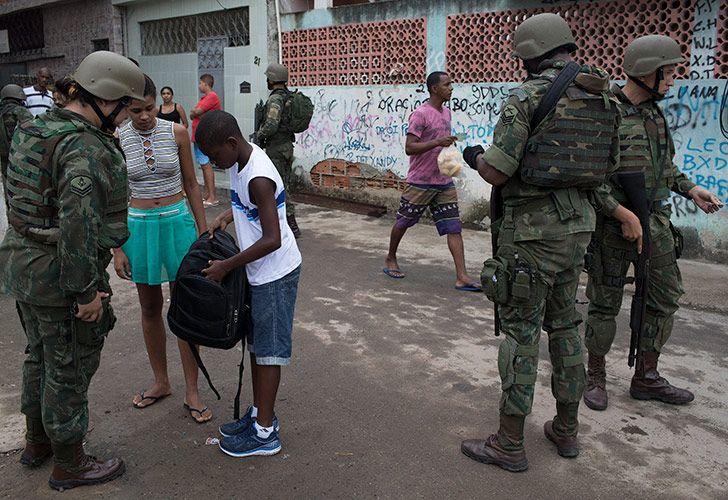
(367,124)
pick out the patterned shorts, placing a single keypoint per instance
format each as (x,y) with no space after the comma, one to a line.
(442,201)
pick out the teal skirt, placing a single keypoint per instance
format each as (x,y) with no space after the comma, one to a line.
(158,240)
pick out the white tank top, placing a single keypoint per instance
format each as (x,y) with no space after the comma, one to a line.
(276,264)
(152,160)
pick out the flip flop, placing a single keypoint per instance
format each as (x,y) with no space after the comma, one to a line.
(154,400)
(208,204)
(199,412)
(469,288)
(393,273)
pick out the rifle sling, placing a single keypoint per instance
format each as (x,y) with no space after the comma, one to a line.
(554,92)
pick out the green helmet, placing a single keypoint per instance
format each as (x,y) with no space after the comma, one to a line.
(276,73)
(647,54)
(12,91)
(110,76)
(541,33)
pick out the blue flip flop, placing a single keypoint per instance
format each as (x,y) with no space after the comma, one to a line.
(468,288)
(393,273)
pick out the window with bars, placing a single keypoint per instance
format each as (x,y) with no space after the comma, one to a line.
(25,30)
(177,35)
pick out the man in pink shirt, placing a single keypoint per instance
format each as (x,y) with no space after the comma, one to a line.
(209,101)
(429,131)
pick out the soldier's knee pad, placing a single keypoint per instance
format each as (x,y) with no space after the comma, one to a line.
(599,335)
(517,365)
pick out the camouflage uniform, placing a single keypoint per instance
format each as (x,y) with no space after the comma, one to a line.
(543,236)
(646,146)
(277,140)
(12,112)
(55,255)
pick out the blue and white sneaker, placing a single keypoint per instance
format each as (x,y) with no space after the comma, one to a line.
(242,424)
(249,444)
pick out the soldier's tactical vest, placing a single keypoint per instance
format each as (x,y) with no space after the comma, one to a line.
(645,147)
(572,148)
(31,186)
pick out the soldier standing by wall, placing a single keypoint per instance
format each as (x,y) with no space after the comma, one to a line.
(275,136)
(12,112)
(67,191)
(646,146)
(543,234)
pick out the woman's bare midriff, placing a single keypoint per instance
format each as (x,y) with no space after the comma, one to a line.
(155,202)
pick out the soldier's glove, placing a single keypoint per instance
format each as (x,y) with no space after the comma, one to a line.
(470,155)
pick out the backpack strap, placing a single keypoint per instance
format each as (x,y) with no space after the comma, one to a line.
(236,405)
(554,92)
(201,365)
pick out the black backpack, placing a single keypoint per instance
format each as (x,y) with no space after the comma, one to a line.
(206,313)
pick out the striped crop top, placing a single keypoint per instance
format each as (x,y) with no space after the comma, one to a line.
(152,160)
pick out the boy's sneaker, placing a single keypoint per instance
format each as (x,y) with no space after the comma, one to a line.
(241,425)
(249,444)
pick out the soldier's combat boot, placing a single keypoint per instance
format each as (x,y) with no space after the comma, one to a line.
(595,394)
(79,469)
(566,446)
(648,384)
(291,219)
(37,445)
(504,449)
(489,451)
(36,454)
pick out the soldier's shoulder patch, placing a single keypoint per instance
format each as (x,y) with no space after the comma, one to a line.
(81,185)
(518,93)
(508,115)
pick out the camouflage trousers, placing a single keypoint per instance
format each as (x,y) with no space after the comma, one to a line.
(63,354)
(281,154)
(611,258)
(542,279)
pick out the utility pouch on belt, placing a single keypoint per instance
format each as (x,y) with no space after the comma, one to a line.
(566,202)
(677,236)
(494,277)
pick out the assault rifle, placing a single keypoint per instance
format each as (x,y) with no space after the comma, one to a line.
(633,185)
(496,213)
(257,122)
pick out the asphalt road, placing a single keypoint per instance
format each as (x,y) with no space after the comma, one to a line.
(388,377)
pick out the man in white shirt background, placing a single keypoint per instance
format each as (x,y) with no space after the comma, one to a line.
(38,99)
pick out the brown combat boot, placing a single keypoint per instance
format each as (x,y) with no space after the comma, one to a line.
(648,384)
(291,219)
(86,470)
(36,454)
(595,394)
(488,451)
(567,446)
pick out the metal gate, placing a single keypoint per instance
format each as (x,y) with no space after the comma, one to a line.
(210,60)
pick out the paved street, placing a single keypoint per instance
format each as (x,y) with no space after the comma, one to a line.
(388,377)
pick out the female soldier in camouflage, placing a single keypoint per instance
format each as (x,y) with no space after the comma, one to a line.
(67,191)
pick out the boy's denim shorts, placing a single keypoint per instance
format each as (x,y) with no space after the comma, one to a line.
(200,156)
(272,306)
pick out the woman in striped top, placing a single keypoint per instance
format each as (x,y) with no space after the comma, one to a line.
(159,161)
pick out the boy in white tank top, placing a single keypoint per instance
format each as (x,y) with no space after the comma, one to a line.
(273,264)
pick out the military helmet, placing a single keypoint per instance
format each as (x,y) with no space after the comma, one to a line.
(110,76)
(13,92)
(646,54)
(276,73)
(541,33)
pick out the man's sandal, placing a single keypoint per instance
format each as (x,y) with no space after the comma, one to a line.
(201,419)
(138,404)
